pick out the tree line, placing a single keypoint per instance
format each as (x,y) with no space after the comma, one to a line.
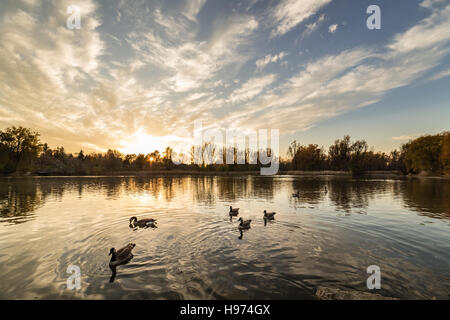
(428,153)
(22,151)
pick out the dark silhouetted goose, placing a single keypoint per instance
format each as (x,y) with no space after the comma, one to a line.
(143,223)
(245,224)
(296,195)
(121,256)
(269,215)
(234,212)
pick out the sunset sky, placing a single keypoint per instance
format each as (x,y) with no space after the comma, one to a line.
(139,73)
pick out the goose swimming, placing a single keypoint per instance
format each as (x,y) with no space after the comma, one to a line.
(234,212)
(143,223)
(269,215)
(244,224)
(121,256)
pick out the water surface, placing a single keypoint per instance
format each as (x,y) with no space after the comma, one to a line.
(327,238)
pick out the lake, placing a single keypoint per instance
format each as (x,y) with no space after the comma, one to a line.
(327,237)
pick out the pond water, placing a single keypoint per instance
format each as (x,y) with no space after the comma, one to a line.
(327,237)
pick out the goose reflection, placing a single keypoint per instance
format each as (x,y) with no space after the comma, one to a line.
(113,275)
(268,220)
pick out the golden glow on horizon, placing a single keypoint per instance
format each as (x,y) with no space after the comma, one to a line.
(142,143)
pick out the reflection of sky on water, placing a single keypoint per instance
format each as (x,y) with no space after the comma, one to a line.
(328,237)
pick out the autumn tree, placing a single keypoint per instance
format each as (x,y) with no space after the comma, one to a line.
(445,153)
(339,154)
(309,157)
(423,154)
(19,146)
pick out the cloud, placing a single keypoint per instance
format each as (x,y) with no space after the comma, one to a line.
(193,7)
(190,63)
(252,88)
(261,63)
(430,3)
(442,74)
(289,13)
(310,28)
(429,33)
(352,79)
(42,65)
(332,28)
(91,88)
(405,137)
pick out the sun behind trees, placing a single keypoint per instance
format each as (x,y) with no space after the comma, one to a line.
(21,151)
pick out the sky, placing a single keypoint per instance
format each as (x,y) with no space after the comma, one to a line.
(137,74)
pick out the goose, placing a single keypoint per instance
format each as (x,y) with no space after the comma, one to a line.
(121,256)
(296,195)
(143,223)
(244,224)
(234,212)
(269,215)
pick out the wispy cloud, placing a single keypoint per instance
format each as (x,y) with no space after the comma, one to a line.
(161,69)
(405,137)
(289,13)
(252,88)
(310,28)
(441,74)
(261,63)
(352,79)
(332,28)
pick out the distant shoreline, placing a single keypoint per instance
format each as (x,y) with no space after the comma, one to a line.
(368,174)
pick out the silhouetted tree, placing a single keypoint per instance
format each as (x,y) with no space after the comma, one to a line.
(445,153)
(309,157)
(19,146)
(80,155)
(358,157)
(140,161)
(113,160)
(167,158)
(339,154)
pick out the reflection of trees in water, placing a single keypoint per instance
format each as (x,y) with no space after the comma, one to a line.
(235,188)
(430,197)
(311,190)
(262,188)
(204,189)
(169,187)
(165,187)
(113,186)
(232,188)
(353,193)
(209,189)
(18,199)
